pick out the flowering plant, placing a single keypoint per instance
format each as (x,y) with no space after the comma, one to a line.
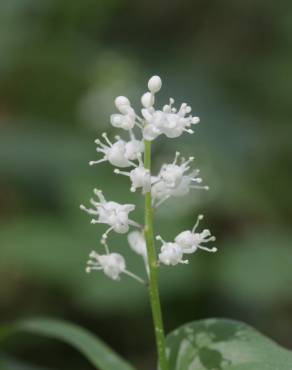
(174,179)
(211,344)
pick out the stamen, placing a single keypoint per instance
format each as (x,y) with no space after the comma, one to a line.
(199,187)
(94,221)
(91,163)
(98,142)
(90,211)
(199,218)
(158,237)
(177,154)
(185,262)
(197,179)
(99,195)
(94,202)
(118,172)
(104,135)
(191,159)
(211,239)
(212,250)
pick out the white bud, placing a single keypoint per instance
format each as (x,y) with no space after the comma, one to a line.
(122,100)
(147,100)
(137,242)
(154,84)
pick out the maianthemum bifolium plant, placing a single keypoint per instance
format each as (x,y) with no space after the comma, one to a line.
(212,344)
(174,179)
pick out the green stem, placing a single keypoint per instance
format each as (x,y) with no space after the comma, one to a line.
(153,282)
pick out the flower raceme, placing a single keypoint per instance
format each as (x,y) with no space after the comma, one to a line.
(174,179)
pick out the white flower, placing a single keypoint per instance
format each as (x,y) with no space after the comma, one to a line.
(111,213)
(172,174)
(176,122)
(171,253)
(114,153)
(120,153)
(137,243)
(139,176)
(134,148)
(174,181)
(187,182)
(112,264)
(190,241)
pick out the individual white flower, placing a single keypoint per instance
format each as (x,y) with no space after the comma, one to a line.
(111,213)
(176,122)
(112,264)
(139,176)
(120,153)
(114,153)
(174,181)
(137,243)
(190,240)
(188,182)
(171,253)
(173,173)
(134,148)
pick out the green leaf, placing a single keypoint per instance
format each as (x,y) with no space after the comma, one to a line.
(219,344)
(95,350)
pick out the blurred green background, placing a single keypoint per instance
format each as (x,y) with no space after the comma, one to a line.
(61,66)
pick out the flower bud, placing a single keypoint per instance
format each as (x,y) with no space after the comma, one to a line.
(122,100)
(147,100)
(154,84)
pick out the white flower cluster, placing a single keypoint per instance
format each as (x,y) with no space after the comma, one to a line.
(186,242)
(174,179)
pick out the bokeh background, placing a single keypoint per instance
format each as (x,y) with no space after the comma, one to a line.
(62,64)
